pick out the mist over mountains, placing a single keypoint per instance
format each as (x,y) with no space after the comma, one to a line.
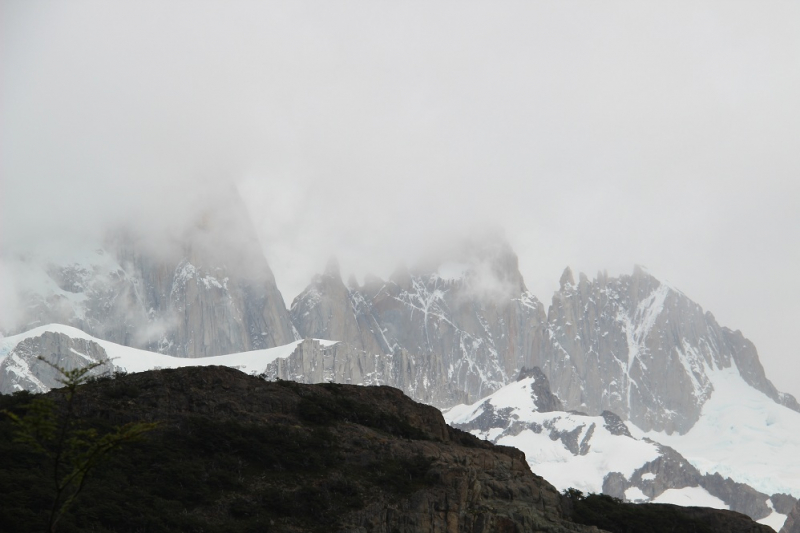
(174,183)
(450,331)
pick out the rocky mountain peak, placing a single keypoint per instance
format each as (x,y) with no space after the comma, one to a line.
(201,290)
(637,347)
(332,268)
(401,276)
(543,398)
(466,316)
(567,279)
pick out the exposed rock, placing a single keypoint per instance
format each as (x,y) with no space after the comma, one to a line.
(22,368)
(543,398)
(469,317)
(738,496)
(209,309)
(466,485)
(635,346)
(211,294)
(614,424)
(783,503)
(672,471)
(419,377)
(630,345)
(507,413)
(615,485)
(792,524)
(327,309)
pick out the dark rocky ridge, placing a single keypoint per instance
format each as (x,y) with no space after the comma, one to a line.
(309,458)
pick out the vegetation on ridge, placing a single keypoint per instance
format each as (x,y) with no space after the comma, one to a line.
(236,454)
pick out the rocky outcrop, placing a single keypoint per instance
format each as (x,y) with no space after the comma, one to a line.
(33,365)
(672,471)
(468,316)
(637,347)
(327,309)
(792,524)
(419,377)
(234,452)
(200,307)
(783,503)
(543,398)
(399,465)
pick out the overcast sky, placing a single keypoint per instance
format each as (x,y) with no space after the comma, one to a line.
(595,134)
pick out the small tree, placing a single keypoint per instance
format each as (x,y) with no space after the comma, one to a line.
(73,452)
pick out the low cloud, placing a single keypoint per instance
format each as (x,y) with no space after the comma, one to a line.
(595,136)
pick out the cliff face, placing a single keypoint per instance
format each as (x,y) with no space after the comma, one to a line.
(792,524)
(636,346)
(204,295)
(469,322)
(453,330)
(420,377)
(198,305)
(631,345)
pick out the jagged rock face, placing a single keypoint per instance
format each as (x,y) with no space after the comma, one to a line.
(630,345)
(471,322)
(543,398)
(639,348)
(327,309)
(22,368)
(190,302)
(312,362)
(792,524)
(204,309)
(783,503)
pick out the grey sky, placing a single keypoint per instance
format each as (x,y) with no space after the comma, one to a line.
(597,135)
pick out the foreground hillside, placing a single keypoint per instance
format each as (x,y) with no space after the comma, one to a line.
(236,453)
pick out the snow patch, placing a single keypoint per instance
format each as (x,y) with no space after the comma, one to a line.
(135,360)
(635,494)
(690,496)
(742,434)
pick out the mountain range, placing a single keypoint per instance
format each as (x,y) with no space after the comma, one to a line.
(460,332)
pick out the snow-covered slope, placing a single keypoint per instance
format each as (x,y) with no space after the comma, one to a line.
(742,434)
(567,449)
(15,366)
(716,464)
